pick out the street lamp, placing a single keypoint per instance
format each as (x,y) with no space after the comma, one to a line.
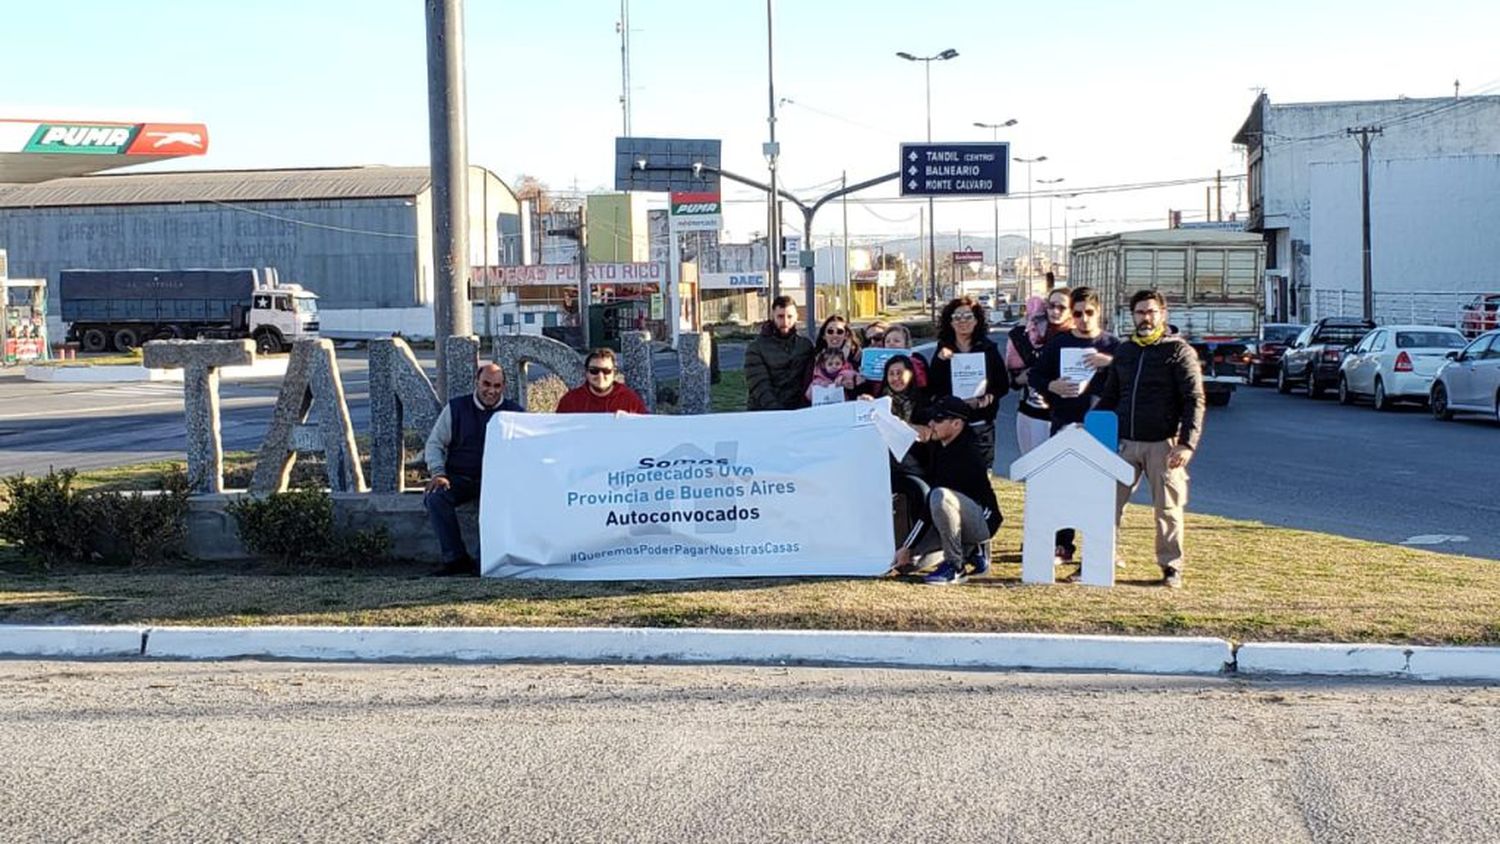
(1029,242)
(1051,244)
(772,150)
(931,220)
(995,129)
(1067,244)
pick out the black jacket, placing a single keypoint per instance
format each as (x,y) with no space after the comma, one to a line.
(1157,391)
(959,466)
(776,370)
(997,377)
(1048,368)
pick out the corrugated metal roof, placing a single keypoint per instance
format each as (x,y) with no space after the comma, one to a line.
(219,186)
(1176,236)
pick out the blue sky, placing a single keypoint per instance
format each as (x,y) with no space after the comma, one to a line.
(1111,92)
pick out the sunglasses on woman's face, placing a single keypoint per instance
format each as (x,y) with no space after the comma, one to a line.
(961,316)
(835,331)
(1083,312)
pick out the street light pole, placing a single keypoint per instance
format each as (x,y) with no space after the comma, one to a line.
(931,219)
(451,311)
(995,130)
(1051,244)
(772,150)
(1067,243)
(1030,244)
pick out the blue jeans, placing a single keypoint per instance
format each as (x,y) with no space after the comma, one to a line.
(442,510)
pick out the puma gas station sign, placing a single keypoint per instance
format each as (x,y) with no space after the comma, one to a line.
(36,151)
(696,212)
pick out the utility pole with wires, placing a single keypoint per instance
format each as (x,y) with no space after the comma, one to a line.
(1366,134)
(624,28)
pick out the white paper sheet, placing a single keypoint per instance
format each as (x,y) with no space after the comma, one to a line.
(968,375)
(1074,369)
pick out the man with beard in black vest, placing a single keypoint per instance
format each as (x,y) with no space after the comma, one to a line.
(455,457)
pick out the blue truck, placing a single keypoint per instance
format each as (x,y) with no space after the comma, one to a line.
(120,309)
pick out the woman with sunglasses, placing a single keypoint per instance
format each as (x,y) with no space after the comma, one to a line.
(963,330)
(1071,399)
(1045,319)
(836,334)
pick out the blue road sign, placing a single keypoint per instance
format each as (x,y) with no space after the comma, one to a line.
(979,169)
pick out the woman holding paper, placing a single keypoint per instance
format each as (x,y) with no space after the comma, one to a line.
(1045,319)
(1066,370)
(908,400)
(969,366)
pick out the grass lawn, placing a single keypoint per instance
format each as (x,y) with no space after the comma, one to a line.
(1245,581)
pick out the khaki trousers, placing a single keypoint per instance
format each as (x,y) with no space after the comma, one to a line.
(1169,493)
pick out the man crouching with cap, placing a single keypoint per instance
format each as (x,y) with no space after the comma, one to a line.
(962,513)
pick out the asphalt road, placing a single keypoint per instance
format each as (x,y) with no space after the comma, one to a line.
(1292,461)
(255,751)
(1284,460)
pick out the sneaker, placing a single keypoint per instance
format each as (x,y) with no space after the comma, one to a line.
(1171,578)
(947,574)
(978,564)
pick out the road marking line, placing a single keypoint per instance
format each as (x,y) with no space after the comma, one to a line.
(1434,539)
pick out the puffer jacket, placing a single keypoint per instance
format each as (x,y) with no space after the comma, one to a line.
(776,369)
(1156,391)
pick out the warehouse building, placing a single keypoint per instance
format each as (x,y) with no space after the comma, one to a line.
(359,237)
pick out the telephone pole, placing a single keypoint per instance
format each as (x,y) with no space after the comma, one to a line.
(1366,134)
(452,316)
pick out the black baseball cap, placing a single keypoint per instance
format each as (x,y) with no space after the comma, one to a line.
(948,407)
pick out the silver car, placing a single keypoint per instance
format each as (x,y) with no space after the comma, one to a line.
(1470,380)
(1396,363)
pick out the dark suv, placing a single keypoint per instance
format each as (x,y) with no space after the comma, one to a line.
(1265,354)
(1313,359)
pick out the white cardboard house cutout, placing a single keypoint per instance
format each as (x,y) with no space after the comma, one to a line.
(1071,482)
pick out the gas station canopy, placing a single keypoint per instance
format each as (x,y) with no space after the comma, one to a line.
(36,150)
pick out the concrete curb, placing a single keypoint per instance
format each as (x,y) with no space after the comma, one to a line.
(929,650)
(994,651)
(1415,662)
(129,373)
(79,642)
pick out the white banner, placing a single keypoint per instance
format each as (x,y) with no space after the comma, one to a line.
(620,497)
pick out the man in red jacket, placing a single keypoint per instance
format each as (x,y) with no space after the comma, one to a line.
(600,392)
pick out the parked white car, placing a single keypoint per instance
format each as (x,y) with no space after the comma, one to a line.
(1470,380)
(1396,363)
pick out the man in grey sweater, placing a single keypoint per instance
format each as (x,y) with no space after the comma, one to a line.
(455,458)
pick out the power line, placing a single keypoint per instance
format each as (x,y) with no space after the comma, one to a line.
(1053,194)
(310,224)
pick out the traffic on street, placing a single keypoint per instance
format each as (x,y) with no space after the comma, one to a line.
(1395,477)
